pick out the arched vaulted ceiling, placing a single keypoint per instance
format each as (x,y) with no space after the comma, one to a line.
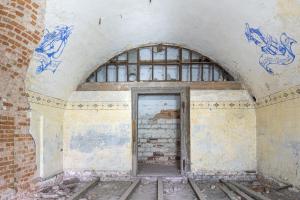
(102,29)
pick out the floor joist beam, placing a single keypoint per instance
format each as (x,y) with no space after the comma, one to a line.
(129,191)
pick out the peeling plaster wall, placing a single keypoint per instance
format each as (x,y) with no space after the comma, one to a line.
(223,131)
(278,132)
(97,132)
(46,129)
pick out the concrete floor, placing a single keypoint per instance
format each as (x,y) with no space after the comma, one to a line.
(157,170)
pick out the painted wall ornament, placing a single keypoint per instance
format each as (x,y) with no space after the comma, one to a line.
(274,51)
(52,47)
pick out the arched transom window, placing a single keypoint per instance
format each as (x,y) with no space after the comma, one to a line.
(159,63)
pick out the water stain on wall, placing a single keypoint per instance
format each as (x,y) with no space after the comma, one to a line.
(100,137)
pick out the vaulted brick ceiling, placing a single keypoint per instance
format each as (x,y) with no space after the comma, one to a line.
(101,29)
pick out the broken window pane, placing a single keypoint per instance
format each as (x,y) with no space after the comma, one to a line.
(173,53)
(132,72)
(185,72)
(172,73)
(146,54)
(122,73)
(159,53)
(185,55)
(92,78)
(101,74)
(146,72)
(132,56)
(159,72)
(206,72)
(111,73)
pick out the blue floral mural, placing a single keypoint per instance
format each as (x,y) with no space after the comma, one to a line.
(52,47)
(273,50)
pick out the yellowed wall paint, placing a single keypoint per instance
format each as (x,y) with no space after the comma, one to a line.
(278,132)
(46,129)
(222,139)
(98,139)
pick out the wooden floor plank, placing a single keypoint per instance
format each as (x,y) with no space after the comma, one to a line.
(196,189)
(81,192)
(237,190)
(129,191)
(231,195)
(160,189)
(250,192)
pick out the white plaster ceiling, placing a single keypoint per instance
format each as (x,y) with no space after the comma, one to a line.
(213,28)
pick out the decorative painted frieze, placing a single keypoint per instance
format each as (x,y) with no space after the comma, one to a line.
(282,96)
(222,105)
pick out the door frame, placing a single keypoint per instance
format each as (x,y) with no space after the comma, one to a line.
(184,93)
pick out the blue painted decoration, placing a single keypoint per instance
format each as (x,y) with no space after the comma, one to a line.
(52,47)
(274,51)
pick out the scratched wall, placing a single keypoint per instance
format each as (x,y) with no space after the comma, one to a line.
(97,132)
(223,131)
(278,134)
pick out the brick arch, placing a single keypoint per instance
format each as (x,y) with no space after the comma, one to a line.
(21,28)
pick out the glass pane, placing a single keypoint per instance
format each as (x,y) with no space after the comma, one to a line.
(196,57)
(92,78)
(122,73)
(146,54)
(172,72)
(196,73)
(111,73)
(101,74)
(185,73)
(132,56)
(173,53)
(206,73)
(122,57)
(185,55)
(159,72)
(146,72)
(159,53)
(217,74)
(132,72)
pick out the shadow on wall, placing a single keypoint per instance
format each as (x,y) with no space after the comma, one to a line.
(100,137)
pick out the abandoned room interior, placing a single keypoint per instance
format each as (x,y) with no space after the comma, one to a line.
(149,99)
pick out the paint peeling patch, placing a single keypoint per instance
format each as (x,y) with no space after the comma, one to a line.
(52,47)
(100,137)
(274,51)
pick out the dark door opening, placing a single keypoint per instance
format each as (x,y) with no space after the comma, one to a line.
(158,134)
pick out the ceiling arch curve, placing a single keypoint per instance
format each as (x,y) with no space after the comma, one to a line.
(102,29)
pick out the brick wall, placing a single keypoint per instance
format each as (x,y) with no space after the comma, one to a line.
(159,141)
(159,129)
(21,28)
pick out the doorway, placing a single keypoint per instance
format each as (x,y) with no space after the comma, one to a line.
(160,131)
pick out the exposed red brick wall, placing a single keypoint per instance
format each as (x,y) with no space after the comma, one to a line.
(21,28)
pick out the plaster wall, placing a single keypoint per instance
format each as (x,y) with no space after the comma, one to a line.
(97,132)
(278,132)
(223,131)
(102,29)
(47,130)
